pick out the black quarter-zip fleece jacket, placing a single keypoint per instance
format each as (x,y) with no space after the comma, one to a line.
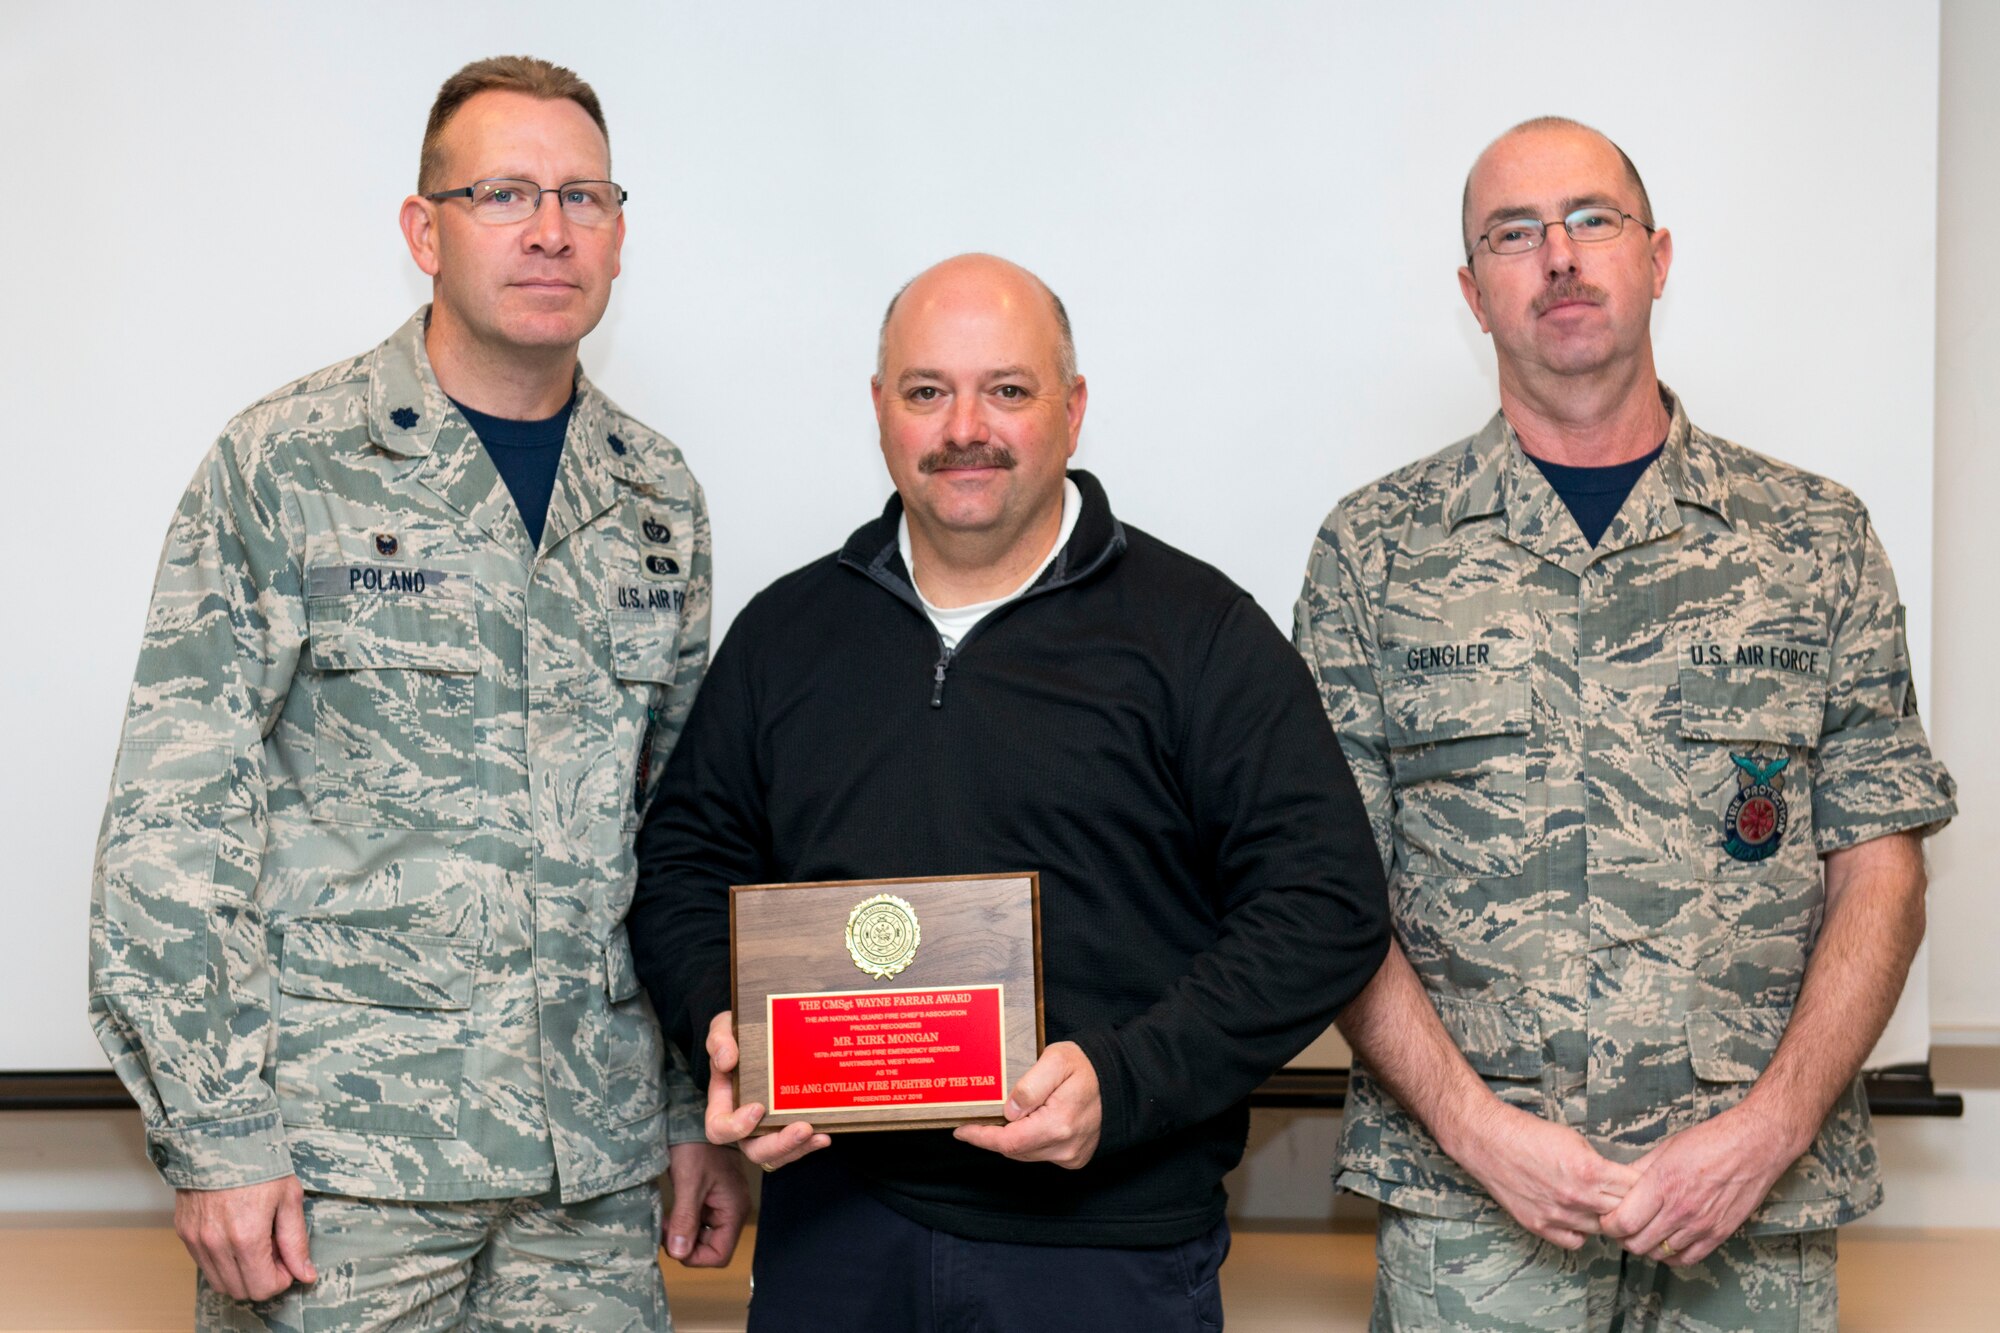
(1135,728)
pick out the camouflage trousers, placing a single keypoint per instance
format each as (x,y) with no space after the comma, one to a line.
(486,1264)
(1441,1275)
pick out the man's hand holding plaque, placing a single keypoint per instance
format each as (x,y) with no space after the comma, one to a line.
(1054,1114)
(729,1123)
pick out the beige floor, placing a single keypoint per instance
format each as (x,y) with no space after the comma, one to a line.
(1276,1281)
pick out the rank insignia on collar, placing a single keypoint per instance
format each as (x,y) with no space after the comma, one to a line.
(1754,825)
(404,417)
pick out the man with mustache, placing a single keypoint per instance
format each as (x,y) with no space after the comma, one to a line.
(1631,709)
(998,675)
(426,628)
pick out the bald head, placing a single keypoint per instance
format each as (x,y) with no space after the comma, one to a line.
(1552,132)
(987,279)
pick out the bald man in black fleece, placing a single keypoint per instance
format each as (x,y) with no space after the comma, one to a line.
(998,675)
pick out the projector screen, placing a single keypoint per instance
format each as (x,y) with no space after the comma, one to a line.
(1251,211)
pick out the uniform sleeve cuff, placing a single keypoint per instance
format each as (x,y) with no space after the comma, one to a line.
(1923,822)
(221,1154)
(686,1108)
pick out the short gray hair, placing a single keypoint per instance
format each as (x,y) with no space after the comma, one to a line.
(514,74)
(1065,341)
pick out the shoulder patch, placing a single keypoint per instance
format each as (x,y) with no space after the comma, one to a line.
(1754,825)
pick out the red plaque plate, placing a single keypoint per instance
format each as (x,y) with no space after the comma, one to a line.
(874,1049)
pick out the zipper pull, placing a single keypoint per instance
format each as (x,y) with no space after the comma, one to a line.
(937,689)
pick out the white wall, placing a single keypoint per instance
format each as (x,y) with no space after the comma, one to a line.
(1964,707)
(1250,210)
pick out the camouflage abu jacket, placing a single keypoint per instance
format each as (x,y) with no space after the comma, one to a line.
(359,900)
(1602,779)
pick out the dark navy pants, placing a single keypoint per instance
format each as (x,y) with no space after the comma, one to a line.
(830,1259)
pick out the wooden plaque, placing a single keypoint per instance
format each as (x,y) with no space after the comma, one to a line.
(885,1004)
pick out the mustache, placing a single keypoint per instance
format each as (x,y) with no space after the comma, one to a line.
(1568,289)
(970,455)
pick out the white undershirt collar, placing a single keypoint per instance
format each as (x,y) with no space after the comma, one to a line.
(955,622)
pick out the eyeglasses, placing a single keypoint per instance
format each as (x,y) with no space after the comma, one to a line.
(504,201)
(1520,235)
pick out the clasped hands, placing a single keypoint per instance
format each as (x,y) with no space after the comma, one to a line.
(1675,1204)
(1054,1112)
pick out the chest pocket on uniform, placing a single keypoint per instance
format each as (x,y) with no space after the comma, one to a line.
(643,644)
(1746,737)
(393,734)
(1459,759)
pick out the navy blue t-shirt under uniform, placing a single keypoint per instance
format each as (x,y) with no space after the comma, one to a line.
(527,453)
(1596,494)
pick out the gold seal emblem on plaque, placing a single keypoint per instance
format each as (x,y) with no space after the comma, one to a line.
(882,935)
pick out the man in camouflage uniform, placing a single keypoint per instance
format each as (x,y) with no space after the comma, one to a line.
(1650,800)
(357,932)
